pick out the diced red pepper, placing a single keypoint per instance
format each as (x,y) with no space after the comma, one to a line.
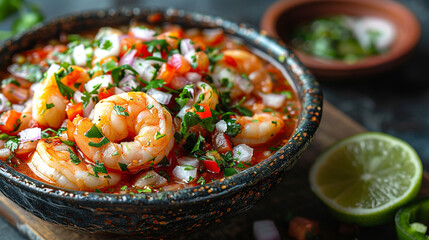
(302,228)
(105,93)
(211,165)
(221,142)
(155,17)
(207,113)
(10,121)
(166,73)
(73,110)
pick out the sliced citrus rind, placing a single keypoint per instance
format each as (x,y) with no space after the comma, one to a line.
(364,178)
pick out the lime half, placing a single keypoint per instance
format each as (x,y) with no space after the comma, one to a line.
(365,178)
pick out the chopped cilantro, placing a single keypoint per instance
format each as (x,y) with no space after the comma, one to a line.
(157,83)
(201,181)
(125,187)
(107,45)
(12,144)
(123,167)
(93,132)
(99,168)
(159,135)
(108,66)
(103,142)
(155,59)
(229,172)
(119,110)
(74,159)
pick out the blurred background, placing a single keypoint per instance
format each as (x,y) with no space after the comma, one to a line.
(395,102)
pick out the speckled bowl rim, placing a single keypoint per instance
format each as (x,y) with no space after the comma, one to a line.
(311,99)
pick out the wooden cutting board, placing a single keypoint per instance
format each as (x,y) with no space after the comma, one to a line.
(292,197)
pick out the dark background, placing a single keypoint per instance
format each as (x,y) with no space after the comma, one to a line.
(396,102)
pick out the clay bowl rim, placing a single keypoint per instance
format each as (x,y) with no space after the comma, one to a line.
(310,96)
(276,10)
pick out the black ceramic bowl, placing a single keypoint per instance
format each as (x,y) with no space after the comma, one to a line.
(166,213)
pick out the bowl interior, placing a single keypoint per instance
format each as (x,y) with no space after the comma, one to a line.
(282,18)
(307,88)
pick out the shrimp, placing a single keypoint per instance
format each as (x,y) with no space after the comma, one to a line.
(242,75)
(49,104)
(259,129)
(57,163)
(132,115)
(207,95)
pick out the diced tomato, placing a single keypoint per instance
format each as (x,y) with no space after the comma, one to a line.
(10,121)
(302,228)
(211,165)
(73,110)
(78,75)
(132,42)
(181,65)
(230,61)
(221,142)
(203,62)
(166,73)
(105,93)
(207,113)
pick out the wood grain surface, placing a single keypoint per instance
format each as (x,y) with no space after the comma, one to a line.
(292,197)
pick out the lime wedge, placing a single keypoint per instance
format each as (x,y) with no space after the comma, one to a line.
(365,178)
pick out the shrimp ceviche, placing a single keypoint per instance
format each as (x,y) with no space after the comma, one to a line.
(142,109)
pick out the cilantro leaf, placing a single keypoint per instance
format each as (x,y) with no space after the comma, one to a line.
(119,110)
(157,83)
(93,132)
(107,45)
(12,144)
(99,168)
(123,167)
(103,142)
(74,159)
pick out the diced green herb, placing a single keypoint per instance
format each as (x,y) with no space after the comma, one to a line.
(229,172)
(99,168)
(201,181)
(119,110)
(123,167)
(73,157)
(103,142)
(93,132)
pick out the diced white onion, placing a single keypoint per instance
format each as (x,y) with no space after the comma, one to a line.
(144,68)
(104,80)
(107,31)
(52,69)
(143,33)
(265,230)
(193,76)
(18,107)
(245,85)
(128,58)
(3,102)
(273,100)
(79,55)
(186,46)
(35,87)
(221,126)
(185,175)
(223,73)
(128,83)
(190,57)
(161,97)
(183,111)
(242,153)
(150,178)
(188,161)
(112,51)
(77,96)
(118,91)
(362,28)
(30,134)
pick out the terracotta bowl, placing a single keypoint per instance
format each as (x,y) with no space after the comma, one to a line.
(280,19)
(166,213)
